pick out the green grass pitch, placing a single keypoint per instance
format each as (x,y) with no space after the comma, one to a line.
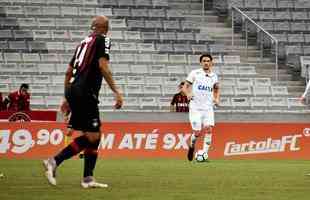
(160,179)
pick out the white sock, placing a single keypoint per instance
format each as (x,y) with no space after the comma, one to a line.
(207,142)
(193,140)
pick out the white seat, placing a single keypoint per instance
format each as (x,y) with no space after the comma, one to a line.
(261,90)
(169,90)
(58,79)
(119,80)
(164,102)
(167,36)
(77,34)
(118,23)
(153,80)
(136,80)
(133,90)
(178,59)
(49,58)
(65,57)
(152,89)
(157,69)
(243,90)
(125,58)
(87,11)
(148,102)
(120,69)
(171,80)
(176,69)
(60,68)
(9,67)
(231,59)
(171,24)
(104,11)
(28,68)
(54,46)
(294,102)
(56,89)
(40,79)
(277,102)
(279,91)
(39,89)
(247,70)
(44,23)
(244,81)
(143,58)
(193,59)
(262,82)
(37,101)
(139,69)
(146,47)
(53,101)
(228,70)
(228,81)
(31,57)
(46,68)
(12,57)
(185,36)
(131,103)
(51,10)
(41,34)
(132,35)
(199,48)
(69,11)
(64,23)
(127,46)
(258,102)
(160,58)
(4,88)
(227,90)
(5,79)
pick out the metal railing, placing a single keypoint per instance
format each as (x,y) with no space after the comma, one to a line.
(247,20)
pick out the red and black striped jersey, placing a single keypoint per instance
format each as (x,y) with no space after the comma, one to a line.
(181,102)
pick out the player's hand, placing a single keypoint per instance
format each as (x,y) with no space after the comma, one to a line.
(119,100)
(65,110)
(302,99)
(216,102)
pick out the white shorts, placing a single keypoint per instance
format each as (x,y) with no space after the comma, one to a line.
(201,118)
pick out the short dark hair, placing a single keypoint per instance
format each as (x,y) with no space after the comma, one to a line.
(24,85)
(205,55)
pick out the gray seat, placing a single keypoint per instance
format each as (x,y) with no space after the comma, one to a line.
(139,12)
(261,90)
(148,103)
(252,4)
(153,24)
(164,102)
(143,58)
(282,15)
(6,79)
(171,80)
(185,37)
(181,59)
(269,4)
(299,15)
(244,81)
(135,80)
(246,70)
(12,57)
(49,58)
(146,47)
(6,34)
(163,36)
(228,70)
(258,102)
(279,91)
(37,46)
(157,69)
(24,22)
(22,79)
(23,34)
(266,15)
(164,47)
(298,26)
(87,11)
(139,69)
(231,59)
(51,10)
(32,10)
(152,90)
(118,23)
(48,68)
(228,81)
(153,80)
(295,38)
(149,36)
(157,13)
(243,91)
(42,79)
(46,22)
(121,12)
(5,88)
(160,3)
(171,24)
(9,67)
(175,69)
(199,48)
(31,57)
(182,48)
(41,34)
(108,2)
(160,58)
(285,4)
(104,11)
(132,35)
(133,90)
(277,102)
(147,3)
(69,11)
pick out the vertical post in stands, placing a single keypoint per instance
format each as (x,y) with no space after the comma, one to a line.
(277,67)
(203,10)
(246,37)
(232,28)
(261,45)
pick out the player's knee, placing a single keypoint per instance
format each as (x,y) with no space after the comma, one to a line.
(93,137)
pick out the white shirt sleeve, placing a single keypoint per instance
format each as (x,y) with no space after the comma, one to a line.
(191,77)
(306,90)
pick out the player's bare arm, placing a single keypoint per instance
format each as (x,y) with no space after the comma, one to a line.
(64,107)
(107,75)
(216,94)
(187,90)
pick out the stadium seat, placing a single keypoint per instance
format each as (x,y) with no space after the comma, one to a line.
(135,80)
(31,57)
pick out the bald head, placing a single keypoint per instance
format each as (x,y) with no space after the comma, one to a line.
(100,24)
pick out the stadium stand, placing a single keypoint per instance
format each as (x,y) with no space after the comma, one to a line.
(155,43)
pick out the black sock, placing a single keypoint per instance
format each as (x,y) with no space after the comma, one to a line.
(90,158)
(72,149)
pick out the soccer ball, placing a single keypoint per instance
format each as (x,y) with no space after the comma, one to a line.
(201,156)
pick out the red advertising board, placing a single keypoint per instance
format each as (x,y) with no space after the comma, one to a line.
(139,140)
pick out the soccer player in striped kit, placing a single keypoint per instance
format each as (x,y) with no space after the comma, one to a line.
(202,89)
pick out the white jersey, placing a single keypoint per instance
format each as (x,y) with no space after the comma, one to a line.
(202,89)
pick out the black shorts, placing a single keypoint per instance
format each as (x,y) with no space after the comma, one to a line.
(84,111)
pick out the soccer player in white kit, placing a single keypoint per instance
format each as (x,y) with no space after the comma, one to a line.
(303,96)
(202,88)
